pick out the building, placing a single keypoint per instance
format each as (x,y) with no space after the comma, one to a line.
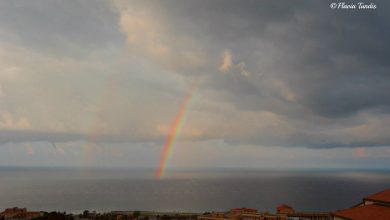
(284,209)
(373,207)
(240,211)
(16,213)
(290,213)
(380,198)
(241,214)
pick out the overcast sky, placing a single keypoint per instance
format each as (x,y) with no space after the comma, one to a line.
(281,84)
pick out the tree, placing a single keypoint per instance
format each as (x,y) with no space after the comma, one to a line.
(85,214)
(136,214)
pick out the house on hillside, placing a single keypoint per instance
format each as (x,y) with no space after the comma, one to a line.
(373,207)
(16,213)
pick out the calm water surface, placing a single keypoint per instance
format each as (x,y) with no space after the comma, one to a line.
(105,190)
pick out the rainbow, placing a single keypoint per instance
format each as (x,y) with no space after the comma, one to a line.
(174,132)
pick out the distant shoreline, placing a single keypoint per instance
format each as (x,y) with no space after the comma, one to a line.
(206,170)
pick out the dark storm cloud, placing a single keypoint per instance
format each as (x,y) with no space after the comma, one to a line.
(335,60)
(323,74)
(320,68)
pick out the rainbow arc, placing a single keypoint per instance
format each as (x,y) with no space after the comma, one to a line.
(175,130)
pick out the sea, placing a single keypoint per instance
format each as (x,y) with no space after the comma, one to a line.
(103,190)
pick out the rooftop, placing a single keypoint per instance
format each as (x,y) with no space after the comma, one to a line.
(14,210)
(383,196)
(366,212)
(243,210)
(283,206)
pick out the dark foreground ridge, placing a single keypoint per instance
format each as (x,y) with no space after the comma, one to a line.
(372,207)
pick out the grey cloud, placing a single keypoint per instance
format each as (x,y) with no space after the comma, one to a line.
(313,140)
(21,136)
(336,61)
(319,68)
(309,63)
(59,27)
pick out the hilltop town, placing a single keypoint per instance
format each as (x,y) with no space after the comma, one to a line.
(372,207)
